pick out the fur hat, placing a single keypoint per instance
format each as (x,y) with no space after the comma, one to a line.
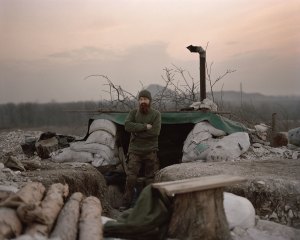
(145,93)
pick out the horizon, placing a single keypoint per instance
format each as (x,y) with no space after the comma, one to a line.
(207,93)
(48,49)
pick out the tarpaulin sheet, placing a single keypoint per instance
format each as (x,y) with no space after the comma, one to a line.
(214,119)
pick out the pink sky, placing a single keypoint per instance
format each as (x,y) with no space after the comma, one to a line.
(48,47)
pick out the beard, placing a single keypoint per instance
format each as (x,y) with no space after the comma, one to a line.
(144,108)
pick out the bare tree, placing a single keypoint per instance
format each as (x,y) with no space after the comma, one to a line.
(212,82)
(179,88)
(119,97)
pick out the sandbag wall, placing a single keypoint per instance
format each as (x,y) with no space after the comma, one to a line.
(33,213)
(98,148)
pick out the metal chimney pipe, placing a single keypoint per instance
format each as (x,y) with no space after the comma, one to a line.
(202,60)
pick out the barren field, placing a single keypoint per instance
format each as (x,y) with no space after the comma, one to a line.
(273,184)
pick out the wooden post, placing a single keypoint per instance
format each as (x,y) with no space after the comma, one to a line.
(273,129)
(202,56)
(198,211)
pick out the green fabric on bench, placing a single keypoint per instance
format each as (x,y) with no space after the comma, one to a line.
(148,219)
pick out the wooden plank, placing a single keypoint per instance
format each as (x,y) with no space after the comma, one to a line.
(197,184)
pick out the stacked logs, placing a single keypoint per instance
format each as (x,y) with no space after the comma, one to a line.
(33,213)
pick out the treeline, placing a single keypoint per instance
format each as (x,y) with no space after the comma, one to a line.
(252,113)
(26,115)
(49,114)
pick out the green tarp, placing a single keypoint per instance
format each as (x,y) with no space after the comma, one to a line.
(148,219)
(215,120)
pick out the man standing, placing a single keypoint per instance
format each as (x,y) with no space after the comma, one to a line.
(144,125)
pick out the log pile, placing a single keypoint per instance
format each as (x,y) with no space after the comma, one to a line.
(34,213)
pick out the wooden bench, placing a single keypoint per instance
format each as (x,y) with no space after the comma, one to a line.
(198,211)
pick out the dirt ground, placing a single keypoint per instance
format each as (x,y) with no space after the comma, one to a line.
(273,185)
(284,169)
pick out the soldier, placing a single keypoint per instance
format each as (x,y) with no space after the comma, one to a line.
(144,125)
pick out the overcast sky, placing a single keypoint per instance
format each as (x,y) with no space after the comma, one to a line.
(48,47)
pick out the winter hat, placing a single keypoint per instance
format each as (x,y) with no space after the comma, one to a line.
(145,93)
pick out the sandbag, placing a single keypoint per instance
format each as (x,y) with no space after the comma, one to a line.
(262,131)
(198,152)
(239,211)
(207,127)
(199,141)
(68,155)
(202,131)
(104,151)
(229,147)
(103,124)
(101,137)
(205,104)
(294,136)
(192,154)
(99,160)
(193,140)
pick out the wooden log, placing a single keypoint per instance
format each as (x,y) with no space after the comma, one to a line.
(29,213)
(90,226)
(31,193)
(67,222)
(4,195)
(50,208)
(10,225)
(199,215)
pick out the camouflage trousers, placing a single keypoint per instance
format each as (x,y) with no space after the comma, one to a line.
(149,165)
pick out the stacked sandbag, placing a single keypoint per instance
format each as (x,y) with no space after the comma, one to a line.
(229,147)
(99,149)
(207,143)
(69,155)
(205,104)
(199,141)
(28,214)
(261,131)
(294,137)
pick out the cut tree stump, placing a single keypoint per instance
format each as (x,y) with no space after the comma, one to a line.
(198,211)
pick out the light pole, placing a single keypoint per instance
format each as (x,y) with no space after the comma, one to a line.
(202,57)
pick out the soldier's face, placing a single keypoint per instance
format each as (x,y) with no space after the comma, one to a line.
(144,104)
(144,100)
